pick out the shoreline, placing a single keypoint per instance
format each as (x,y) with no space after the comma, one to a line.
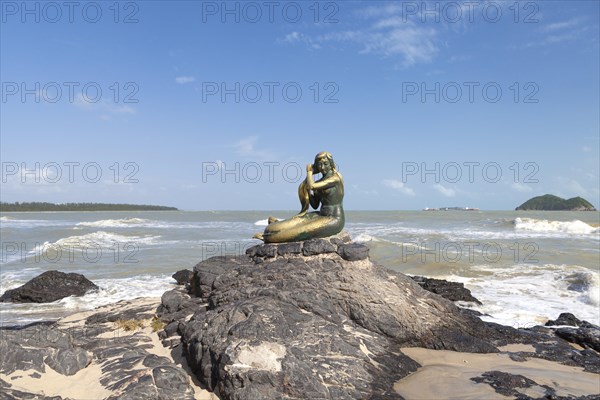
(317,317)
(442,373)
(449,375)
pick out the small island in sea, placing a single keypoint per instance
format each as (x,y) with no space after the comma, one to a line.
(43,206)
(549,202)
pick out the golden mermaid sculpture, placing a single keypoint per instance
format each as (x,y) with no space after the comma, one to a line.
(327,192)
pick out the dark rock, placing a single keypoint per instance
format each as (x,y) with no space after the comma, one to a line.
(313,247)
(48,287)
(585,334)
(570,320)
(588,359)
(13,394)
(251,251)
(266,250)
(353,251)
(340,238)
(172,328)
(129,370)
(317,327)
(508,384)
(453,291)
(183,277)
(175,307)
(204,277)
(68,361)
(585,337)
(289,248)
(173,301)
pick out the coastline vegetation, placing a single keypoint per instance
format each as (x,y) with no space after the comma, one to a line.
(43,206)
(129,324)
(549,202)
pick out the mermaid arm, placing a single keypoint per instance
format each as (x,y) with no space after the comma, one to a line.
(322,184)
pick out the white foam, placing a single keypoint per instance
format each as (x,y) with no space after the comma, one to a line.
(8,222)
(96,240)
(262,222)
(111,291)
(13,279)
(543,225)
(115,223)
(114,290)
(102,238)
(525,295)
(363,238)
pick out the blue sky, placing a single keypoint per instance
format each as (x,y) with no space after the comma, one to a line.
(480,104)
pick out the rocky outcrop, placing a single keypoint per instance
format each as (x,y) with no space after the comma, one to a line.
(121,363)
(580,332)
(183,277)
(512,386)
(314,320)
(48,287)
(318,319)
(454,291)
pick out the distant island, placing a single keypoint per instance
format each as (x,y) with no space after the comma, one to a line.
(549,202)
(451,209)
(41,206)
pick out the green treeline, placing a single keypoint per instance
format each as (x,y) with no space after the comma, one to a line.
(40,206)
(550,202)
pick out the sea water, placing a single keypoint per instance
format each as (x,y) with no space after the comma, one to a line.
(525,267)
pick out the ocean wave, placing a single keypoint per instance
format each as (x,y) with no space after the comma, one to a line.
(524,295)
(8,222)
(99,239)
(114,290)
(103,238)
(138,223)
(364,238)
(543,225)
(111,291)
(115,223)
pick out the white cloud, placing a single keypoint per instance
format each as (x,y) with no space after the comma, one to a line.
(519,187)
(444,191)
(396,184)
(247,148)
(556,26)
(293,37)
(182,80)
(297,37)
(558,32)
(104,106)
(571,187)
(391,34)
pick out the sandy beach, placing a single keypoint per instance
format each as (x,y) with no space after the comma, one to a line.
(86,383)
(447,375)
(443,374)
